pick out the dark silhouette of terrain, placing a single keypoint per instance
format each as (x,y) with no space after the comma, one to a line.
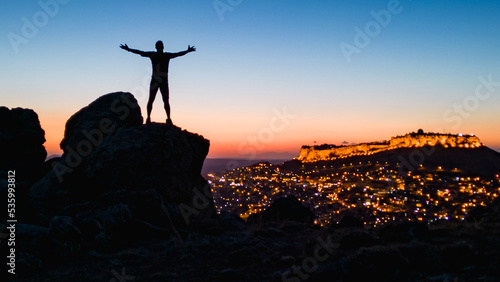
(159,78)
(127,200)
(283,210)
(113,165)
(21,143)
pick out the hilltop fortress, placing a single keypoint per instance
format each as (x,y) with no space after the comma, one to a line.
(410,140)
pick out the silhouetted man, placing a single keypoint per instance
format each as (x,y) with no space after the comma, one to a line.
(159,78)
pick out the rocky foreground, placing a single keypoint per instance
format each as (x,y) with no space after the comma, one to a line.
(126,202)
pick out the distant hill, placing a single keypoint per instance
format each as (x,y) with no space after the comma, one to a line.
(481,161)
(411,140)
(220,165)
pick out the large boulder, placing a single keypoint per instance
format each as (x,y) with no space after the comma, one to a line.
(84,132)
(119,179)
(100,118)
(155,155)
(155,169)
(21,143)
(143,180)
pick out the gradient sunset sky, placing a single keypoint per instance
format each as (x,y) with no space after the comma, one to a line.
(267,76)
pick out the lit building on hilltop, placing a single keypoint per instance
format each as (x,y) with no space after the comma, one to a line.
(410,140)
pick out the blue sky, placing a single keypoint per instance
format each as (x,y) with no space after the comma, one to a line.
(260,57)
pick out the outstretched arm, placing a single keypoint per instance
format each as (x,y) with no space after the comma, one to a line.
(189,49)
(125,47)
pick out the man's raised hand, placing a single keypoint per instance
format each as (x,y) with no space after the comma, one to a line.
(191,48)
(124,47)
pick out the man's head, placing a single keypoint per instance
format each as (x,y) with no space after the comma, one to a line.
(159,46)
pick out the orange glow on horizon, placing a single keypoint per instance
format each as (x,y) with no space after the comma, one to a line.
(228,143)
(54,132)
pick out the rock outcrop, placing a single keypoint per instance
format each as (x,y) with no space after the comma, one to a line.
(99,119)
(118,181)
(22,157)
(84,132)
(121,173)
(21,143)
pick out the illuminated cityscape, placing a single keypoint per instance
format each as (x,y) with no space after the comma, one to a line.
(375,190)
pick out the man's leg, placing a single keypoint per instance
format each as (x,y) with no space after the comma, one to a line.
(164,95)
(153,88)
